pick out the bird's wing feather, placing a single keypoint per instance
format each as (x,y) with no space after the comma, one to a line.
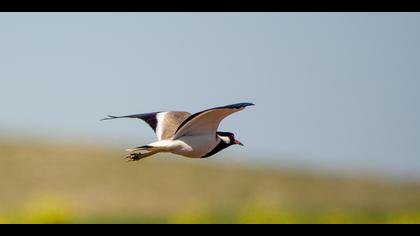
(163,123)
(207,121)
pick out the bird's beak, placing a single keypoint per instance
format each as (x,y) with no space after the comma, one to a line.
(237,142)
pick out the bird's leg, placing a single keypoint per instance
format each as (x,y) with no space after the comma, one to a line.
(136,156)
(133,156)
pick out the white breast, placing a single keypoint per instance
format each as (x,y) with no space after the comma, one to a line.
(194,146)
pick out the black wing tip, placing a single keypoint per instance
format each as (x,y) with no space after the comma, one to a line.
(109,118)
(248,104)
(240,105)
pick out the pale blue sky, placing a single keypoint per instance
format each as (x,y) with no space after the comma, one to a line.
(332,90)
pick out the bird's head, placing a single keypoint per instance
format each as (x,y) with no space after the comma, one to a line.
(229,138)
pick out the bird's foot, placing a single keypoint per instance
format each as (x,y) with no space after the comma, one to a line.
(134,157)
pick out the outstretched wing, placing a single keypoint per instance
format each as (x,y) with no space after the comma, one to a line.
(163,123)
(207,121)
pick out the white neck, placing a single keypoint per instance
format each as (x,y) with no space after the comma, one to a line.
(224,139)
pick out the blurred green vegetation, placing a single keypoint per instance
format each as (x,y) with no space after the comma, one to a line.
(57,182)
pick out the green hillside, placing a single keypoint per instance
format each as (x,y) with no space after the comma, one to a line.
(50,183)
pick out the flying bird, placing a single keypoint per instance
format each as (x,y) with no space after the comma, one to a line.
(185,134)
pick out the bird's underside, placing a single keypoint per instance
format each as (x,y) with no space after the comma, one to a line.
(181,133)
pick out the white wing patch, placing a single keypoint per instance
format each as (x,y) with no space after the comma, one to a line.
(168,123)
(160,117)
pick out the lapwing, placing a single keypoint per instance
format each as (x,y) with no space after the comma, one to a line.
(185,134)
